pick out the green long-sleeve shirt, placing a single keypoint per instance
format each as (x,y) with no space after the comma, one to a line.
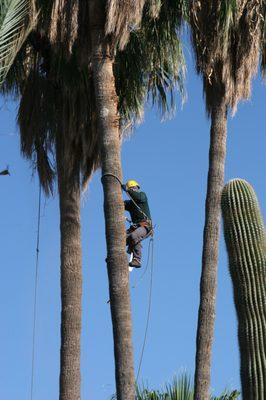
(142,201)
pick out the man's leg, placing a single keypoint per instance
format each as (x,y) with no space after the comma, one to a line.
(129,242)
(135,238)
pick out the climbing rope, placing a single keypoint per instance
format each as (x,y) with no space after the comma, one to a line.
(35,292)
(148,312)
(114,176)
(138,281)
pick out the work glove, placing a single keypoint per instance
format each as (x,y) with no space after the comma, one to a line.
(124,187)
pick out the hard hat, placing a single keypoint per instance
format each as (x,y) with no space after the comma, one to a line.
(131,183)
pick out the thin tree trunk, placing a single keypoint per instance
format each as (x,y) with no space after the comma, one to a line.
(117,264)
(208,283)
(71,278)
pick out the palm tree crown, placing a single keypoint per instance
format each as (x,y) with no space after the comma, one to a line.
(226,39)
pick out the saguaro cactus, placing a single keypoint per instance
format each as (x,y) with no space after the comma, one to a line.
(245,238)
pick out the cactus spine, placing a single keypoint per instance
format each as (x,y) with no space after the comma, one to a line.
(245,238)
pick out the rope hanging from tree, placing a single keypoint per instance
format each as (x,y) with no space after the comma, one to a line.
(35,292)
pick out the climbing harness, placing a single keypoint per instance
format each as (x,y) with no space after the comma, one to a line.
(35,292)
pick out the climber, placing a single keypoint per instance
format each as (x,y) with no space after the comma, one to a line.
(141,226)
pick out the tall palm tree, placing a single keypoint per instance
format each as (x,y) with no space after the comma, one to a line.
(58,133)
(65,130)
(226,41)
(108,125)
(108,32)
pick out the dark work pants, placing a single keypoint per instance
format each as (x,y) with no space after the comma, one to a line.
(134,240)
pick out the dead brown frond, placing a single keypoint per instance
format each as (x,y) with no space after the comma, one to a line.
(35,131)
(79,129)
(122,17)
(57,108)
(154,7)
(64,24)
(226,40)
(83,48)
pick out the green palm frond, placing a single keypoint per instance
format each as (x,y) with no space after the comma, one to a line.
(15,24)
(227,14)
(180,389)
(152,66)
(227,396)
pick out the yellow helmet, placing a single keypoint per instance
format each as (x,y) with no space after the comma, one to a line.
(131,183)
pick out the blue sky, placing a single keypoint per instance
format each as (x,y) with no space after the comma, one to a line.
(170,160)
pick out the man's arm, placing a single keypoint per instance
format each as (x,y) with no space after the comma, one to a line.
(127,205)
(139,197)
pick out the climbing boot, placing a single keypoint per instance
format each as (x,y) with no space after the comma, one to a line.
(135,263)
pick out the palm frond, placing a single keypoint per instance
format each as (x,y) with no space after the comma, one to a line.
(234,395)
(227,41)
(18,72)
(59,108)
(152,66)
(36,116)
(123,16)
(154,7)
(15,25)
(227,14)
(263,41)
(180,389)
(63,29)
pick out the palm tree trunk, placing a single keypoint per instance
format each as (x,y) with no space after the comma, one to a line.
(208,283)
(71,278)
(117,264)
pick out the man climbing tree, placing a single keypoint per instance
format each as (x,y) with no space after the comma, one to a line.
(141,227)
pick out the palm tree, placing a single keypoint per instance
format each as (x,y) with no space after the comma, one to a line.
(65,129)
(58,133)
(226,41)
(108,125)
(108,105)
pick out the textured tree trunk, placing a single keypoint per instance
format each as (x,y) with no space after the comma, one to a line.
(117,264)
(208,283)
(71,278)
